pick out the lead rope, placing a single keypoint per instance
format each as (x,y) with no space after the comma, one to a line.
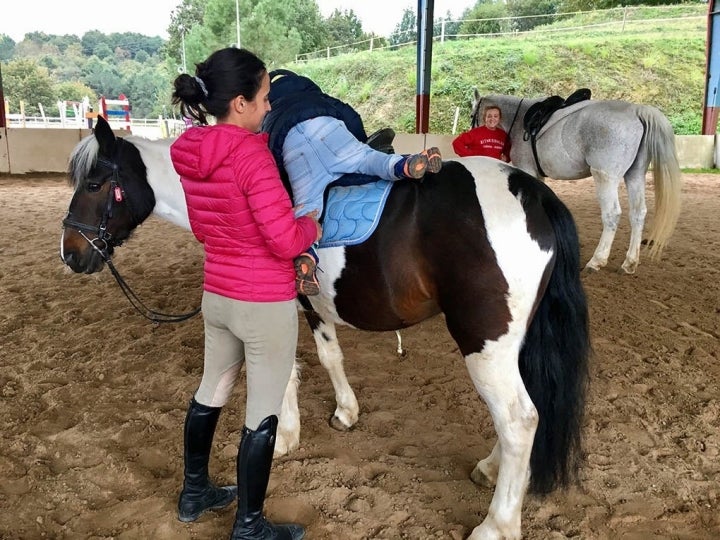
(156,317)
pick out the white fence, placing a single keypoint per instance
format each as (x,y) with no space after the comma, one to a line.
(151,128)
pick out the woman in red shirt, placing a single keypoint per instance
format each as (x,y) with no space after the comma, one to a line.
(486,140)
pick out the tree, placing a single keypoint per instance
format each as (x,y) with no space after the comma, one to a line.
(7,47)
(271,33)
(406,30)
(25,80)
(343,27)
(75,91)
(143,87)
(452,27)
(182,20)
(142,57)
(305,17)
(103,51)
(475,20)
(103,77)
(69,67)
(90,41)
(526,8)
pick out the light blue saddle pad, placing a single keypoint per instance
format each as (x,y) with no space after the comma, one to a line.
(352,213)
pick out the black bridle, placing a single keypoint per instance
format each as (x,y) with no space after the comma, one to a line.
(104,242)
(104,239)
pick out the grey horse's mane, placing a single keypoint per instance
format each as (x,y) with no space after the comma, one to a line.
(83,159)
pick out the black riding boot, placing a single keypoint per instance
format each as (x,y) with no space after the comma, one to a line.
(253,473)
(199,494)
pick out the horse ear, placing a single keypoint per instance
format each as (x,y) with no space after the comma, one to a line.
(477,95)
(104,135)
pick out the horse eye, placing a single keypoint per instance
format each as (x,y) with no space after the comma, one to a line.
(94,186)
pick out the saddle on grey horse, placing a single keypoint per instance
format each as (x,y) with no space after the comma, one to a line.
(540,113)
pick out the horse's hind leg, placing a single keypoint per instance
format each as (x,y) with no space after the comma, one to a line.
(606,188)
(635,184)
(288,430)
(496,376)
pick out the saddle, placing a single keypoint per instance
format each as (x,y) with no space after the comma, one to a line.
(540,113)
(354,202)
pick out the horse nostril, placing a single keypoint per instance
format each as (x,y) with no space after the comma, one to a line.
(72,260)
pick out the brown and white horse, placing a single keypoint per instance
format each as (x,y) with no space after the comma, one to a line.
(484,243)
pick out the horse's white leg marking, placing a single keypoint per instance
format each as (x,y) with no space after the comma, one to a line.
(331,357)
(606,187)
(495,374)
(635,184)
(485,472)
(288,431)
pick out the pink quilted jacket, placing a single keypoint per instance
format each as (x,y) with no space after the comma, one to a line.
(241,213)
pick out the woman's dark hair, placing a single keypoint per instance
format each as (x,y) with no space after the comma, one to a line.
(226,74)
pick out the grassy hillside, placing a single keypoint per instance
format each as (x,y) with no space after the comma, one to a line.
(661,64)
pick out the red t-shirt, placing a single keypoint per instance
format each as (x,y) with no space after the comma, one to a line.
(481,141)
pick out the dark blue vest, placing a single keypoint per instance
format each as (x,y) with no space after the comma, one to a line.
(294,99)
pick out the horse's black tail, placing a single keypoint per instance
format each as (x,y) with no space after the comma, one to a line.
(554,360)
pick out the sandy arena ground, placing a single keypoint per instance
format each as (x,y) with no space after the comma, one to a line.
(93,397)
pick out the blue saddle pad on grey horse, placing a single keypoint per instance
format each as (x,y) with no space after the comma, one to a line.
(352,213)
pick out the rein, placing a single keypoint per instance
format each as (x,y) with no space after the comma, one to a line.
(104,241)
(515,117)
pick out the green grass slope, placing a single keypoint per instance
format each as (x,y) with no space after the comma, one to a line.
(660,64)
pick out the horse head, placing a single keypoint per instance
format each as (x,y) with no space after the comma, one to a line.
(111,198)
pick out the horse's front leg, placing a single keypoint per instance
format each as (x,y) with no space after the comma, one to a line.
(331,358)
(497,379)
(638,210)
(606,188)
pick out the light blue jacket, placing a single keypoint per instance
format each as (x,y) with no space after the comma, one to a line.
(318,151)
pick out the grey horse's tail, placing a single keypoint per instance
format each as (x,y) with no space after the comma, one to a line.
(660,146)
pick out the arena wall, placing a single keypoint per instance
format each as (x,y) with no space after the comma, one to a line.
(32,150)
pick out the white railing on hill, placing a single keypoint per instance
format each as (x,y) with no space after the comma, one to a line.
(621,19)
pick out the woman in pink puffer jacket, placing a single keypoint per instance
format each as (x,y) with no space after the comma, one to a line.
(242,214)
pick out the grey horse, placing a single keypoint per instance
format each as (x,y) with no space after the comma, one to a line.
(610,141)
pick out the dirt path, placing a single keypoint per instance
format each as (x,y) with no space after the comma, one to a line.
(92,398)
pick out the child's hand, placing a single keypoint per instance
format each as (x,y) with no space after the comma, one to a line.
(314,216)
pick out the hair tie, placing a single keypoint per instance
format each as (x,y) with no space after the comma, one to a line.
(202,86)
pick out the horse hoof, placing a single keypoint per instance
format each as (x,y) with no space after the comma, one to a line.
(337,424)
(590,270)
(285,444)
(481,478)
